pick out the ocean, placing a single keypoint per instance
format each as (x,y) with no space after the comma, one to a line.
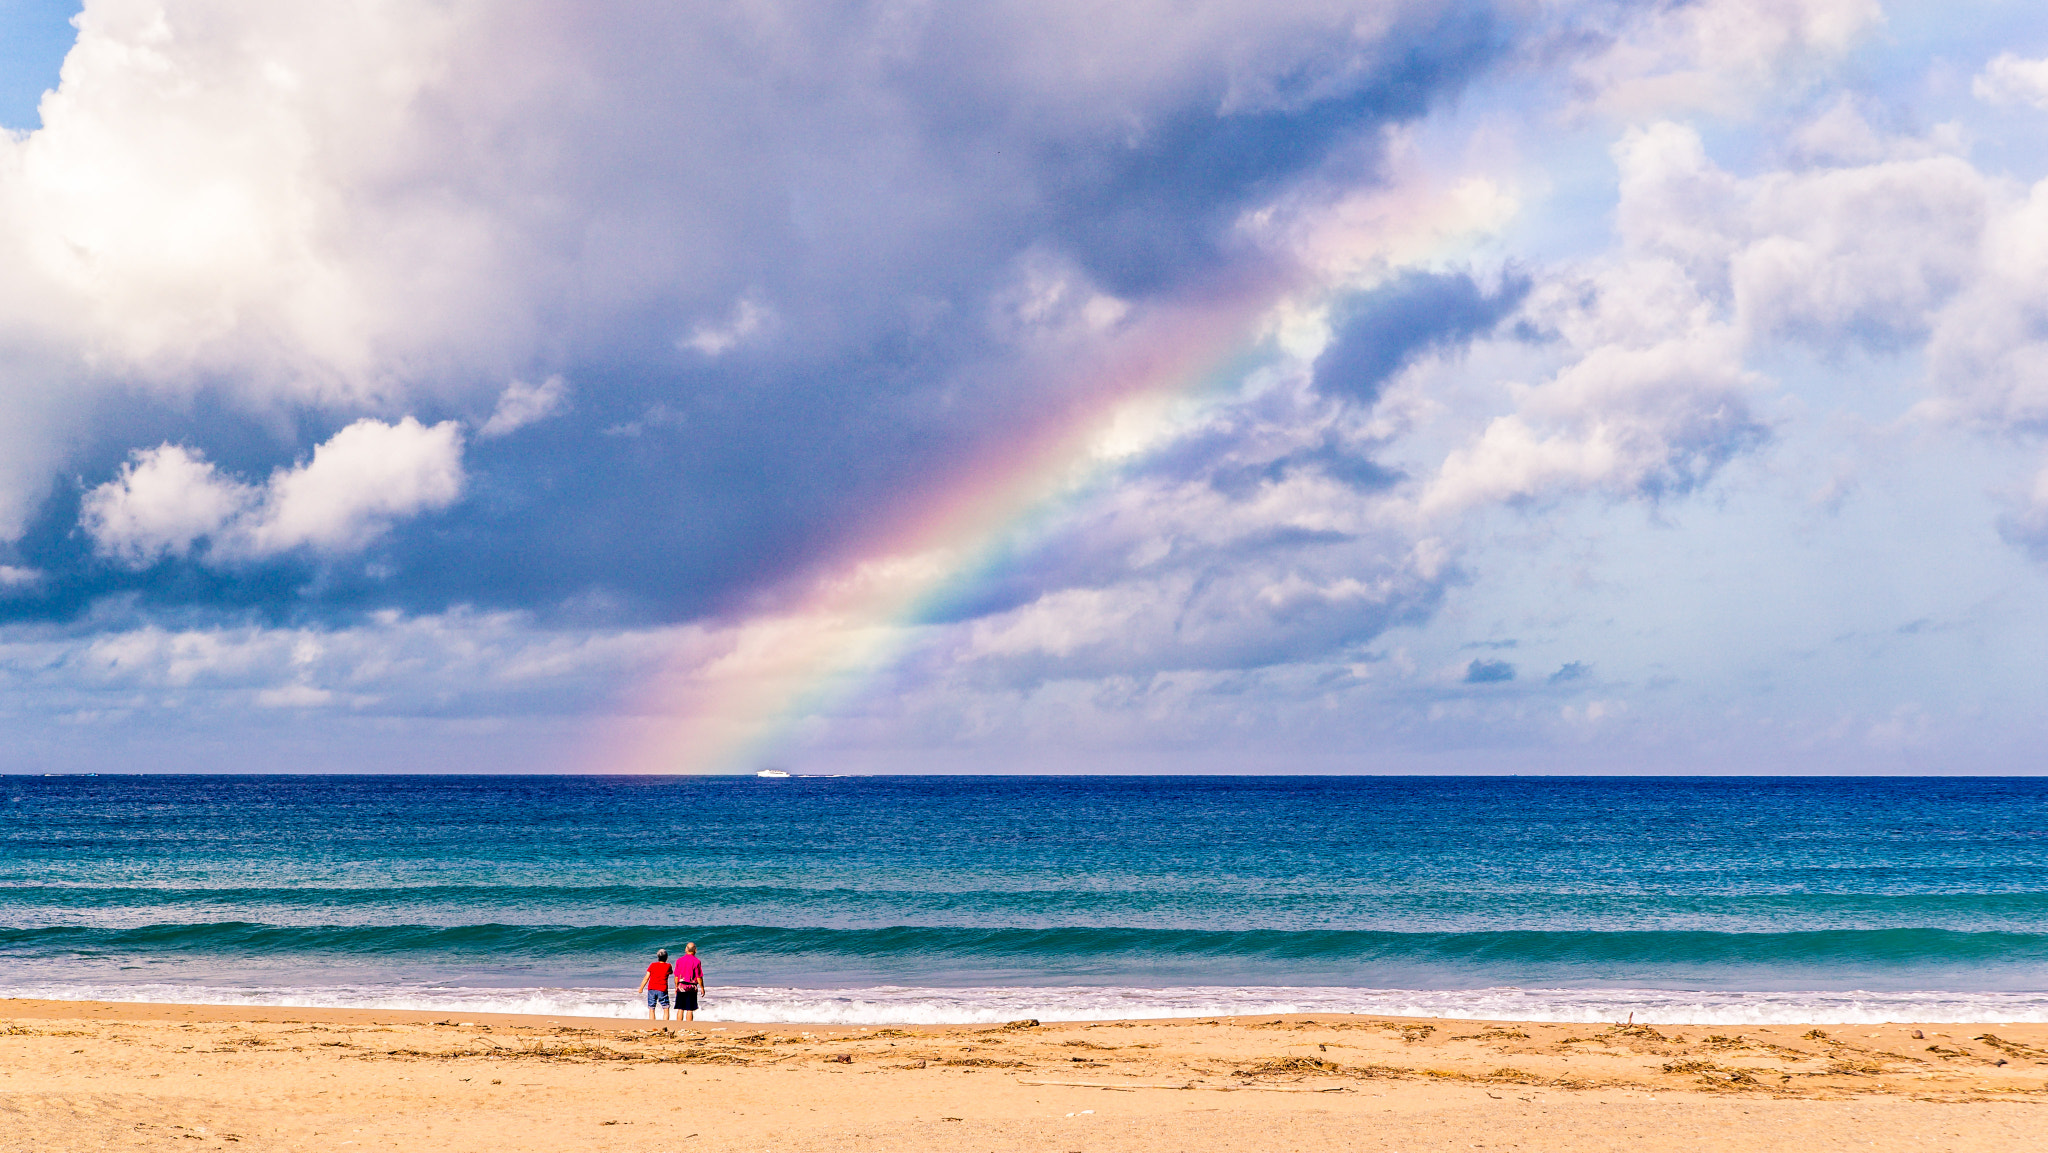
(965,899)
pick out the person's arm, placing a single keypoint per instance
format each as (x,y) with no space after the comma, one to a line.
(642,987)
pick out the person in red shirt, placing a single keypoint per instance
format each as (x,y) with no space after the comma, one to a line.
(655,984)
(689,982)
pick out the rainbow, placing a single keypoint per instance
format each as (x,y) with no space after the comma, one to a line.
(736,695)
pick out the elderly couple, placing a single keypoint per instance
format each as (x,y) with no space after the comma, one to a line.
(688,972)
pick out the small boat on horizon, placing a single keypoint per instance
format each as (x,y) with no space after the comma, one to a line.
(771,773)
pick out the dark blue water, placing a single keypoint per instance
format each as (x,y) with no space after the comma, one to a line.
(937,896)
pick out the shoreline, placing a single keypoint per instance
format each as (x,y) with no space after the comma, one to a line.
(36,1008)
(89,1074)
(950,1005)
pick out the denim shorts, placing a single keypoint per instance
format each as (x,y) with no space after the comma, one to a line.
(657,998)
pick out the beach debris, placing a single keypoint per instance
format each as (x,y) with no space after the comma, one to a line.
(984,1063)
(1123,1087)
(1639,1032)
(1852,1067)
(1285,1066)
(1716,1076)
(1919,1036)
(1410,1033)
(1506,1074)
(2012,1048)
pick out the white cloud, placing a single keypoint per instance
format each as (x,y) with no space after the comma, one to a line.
(1813,267)
(522,404)
(1987,356)
(355,208)
(749,317)
(1718,54)
(1653,393)
(294,697)
(219,198)
(462,662)
(2010,79)
(1657,338)
(2027,525)
(1051,301)
(364,478)
(1791,250)
(163,502)
(361,481)
(1640,420)
(1675,203)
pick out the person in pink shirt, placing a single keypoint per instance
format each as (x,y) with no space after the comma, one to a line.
(689,982)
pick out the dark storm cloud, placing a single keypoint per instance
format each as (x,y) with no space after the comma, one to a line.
(1484,672)
(1414,314)
(873,181)
(1143,217)
(1570,671)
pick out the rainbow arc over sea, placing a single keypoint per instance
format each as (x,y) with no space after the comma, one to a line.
(738,695)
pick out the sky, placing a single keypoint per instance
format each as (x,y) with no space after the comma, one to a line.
(1361,386)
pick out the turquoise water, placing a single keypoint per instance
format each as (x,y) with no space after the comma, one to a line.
(949,898)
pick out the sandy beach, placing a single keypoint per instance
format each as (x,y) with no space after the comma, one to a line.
(84,1075)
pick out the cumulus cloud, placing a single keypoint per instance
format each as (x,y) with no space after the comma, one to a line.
(1812,269)
(1790,249)
(2012,79)
(1654,395)
(163,502)
(1716,54)
(1987,356)
(811,266)
(826,254)
(166,500)
(1647,420)
(1657,391)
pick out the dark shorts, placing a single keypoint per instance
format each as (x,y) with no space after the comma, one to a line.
(686,998)
(657,998)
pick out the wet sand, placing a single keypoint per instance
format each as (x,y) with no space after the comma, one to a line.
(83,1075)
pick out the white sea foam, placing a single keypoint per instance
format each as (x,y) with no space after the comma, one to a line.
(892,1005)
